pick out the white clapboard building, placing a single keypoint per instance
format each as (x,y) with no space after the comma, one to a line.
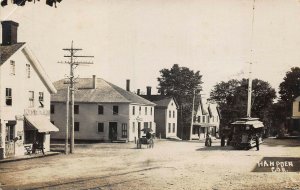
(103,111)
(25,97)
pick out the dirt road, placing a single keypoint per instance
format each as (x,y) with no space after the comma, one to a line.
(169,165)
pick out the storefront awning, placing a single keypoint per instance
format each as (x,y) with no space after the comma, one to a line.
(41,123)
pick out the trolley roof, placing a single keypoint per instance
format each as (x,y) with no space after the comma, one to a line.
(249,121)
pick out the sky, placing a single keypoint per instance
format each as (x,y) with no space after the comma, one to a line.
(135,39)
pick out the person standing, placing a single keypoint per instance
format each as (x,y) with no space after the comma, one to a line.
(257,142)
(208,140)
(223,140)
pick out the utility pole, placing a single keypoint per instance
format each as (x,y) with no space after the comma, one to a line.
(73,65)
(67,120)
(192,120)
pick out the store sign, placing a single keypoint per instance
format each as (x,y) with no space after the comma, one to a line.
(278,164)
(37,112)
(139,118)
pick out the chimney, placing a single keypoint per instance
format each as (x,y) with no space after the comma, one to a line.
(94,81)
(162,91)
(9,32)
(138,91)
(148,90)
(128,85)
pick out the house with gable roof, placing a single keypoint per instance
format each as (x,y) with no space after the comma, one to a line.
(206,119)
(165,114)
(293,122)
(103,111)
(25,97)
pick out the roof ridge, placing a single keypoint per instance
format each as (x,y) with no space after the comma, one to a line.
(128,92)
(105,91)
(113,86)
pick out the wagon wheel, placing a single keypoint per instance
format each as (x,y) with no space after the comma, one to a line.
(152,143)
(138,144)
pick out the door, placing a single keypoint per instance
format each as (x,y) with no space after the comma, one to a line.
(139,129)
(113,131)
(9,140)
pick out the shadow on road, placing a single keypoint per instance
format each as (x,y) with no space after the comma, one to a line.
(273,142)
(58,184)
(216,148)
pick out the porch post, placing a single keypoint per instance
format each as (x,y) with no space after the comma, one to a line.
(2,141)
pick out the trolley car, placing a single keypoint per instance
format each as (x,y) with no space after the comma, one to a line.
(244,133)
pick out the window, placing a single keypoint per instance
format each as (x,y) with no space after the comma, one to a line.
(31,99)
(173,114)
(52,109)
(133,110)
(133,127)
(8,96)
(169,127)
(9,133)
(12,67)
(203,118)
(173,127)
(29,137)
(115,110)
(199,119)
(100,110)
(28,70)
(76,109)
(151,111)
(213,118)
(140,110)
(100,127)
(146,111)
(41,99)
(124,130)
(170,113)
(76,126)
(150,123)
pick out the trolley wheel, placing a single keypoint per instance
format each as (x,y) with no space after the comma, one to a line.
(152,144)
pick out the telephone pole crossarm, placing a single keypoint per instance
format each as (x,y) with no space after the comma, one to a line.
(79,56)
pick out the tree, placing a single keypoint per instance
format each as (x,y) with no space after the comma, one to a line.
(278,115)
(232,98)
(289,89)
(179,82)
(23,2)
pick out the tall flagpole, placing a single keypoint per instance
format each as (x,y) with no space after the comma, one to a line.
(249,103)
